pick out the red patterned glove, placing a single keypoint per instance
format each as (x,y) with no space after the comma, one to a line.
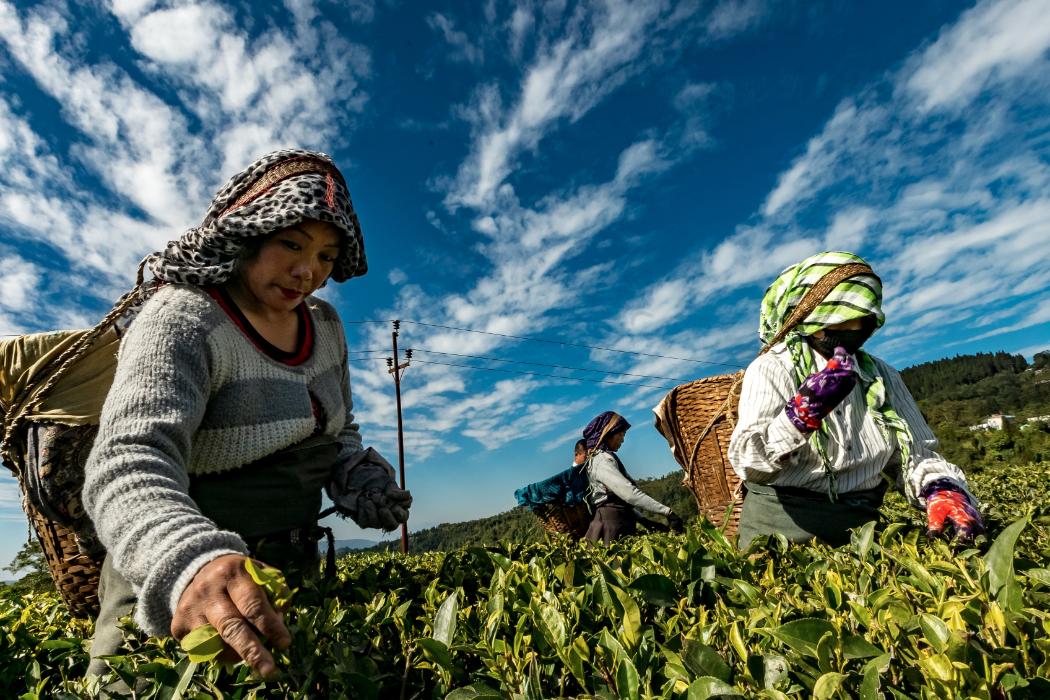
(821,392)
(946,504)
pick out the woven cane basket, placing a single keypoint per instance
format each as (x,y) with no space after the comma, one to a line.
(704,413)
(568,520)
(75,572)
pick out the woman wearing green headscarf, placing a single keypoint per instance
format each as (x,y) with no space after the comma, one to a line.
(824,426)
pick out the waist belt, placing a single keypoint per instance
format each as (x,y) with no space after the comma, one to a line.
(867,497)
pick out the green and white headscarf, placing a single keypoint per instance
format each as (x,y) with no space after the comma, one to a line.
(854,298)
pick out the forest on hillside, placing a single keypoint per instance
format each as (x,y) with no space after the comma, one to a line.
(959,392)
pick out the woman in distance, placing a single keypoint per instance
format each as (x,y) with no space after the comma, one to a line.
(613,493)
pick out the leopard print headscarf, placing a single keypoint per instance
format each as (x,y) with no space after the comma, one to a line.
(276,191)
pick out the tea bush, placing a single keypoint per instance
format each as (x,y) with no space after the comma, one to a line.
(662,616)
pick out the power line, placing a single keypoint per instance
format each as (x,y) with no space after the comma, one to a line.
(576,345)
(540,374)
(543,364)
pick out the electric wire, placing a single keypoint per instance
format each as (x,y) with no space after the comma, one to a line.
(543,364)
(541,374)
(574,345)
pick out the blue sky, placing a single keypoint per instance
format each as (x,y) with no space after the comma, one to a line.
(626,175)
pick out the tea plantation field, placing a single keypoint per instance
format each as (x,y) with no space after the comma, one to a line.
(662,616)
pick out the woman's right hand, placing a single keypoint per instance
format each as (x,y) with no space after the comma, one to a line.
(224,595)
(821,392)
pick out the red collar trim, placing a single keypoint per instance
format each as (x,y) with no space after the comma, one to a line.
(304,344)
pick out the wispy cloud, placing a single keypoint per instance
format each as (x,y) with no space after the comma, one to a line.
(955,215)
(538,270)
(463,49)
(992,43)
(151,151)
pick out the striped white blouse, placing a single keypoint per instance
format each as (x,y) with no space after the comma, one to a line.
(766,448)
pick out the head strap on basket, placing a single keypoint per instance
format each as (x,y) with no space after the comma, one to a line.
(816,295)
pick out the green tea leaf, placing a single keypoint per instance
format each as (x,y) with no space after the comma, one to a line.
(826,652)
(862,539)
(627,680)
(185,678)
(768,669)
(270,580)
(445,620)
(827,685)
(656,589)
(804,635)
(702,660)
(477,691)
(552,625)
(935,631)
(869,685)
(857,647)
(708,687)
(436,652)
(632,617)
(1000,563)
(203,644)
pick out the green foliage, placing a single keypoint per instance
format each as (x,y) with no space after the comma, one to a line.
(30,561)
(661,616)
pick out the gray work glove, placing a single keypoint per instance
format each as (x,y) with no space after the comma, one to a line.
(364,489)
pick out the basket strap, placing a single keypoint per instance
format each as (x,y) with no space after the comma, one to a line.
(816,295)
(810,301)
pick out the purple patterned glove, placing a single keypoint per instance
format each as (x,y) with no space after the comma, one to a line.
(821,392)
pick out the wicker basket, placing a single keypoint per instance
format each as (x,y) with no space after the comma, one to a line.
(51,480)
(698,418)
(75,572)
(568,520)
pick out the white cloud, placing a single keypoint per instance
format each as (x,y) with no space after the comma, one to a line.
(731,17)
(996,40)
(567,79)
(953,214)
(463,48)
(1036,315)
(17,283)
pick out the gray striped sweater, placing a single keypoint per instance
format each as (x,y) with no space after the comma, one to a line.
(193,395)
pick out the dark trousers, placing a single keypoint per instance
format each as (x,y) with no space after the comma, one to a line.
(611,521)
(802,515)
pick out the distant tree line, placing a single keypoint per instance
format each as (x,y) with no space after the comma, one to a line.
(959,392)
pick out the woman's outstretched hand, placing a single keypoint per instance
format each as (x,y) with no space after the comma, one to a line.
(821,392)
(224,595)
(949,512)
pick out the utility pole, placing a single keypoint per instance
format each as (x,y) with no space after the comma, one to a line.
(396,368)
